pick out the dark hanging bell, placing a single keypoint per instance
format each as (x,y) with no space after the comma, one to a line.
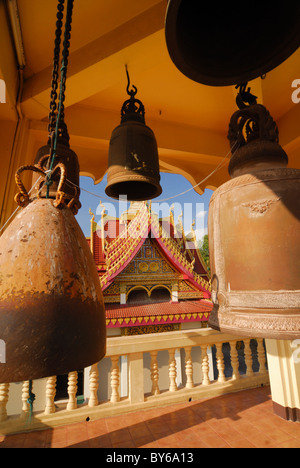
(63,154)
(254,234)
(52,317)
(232,42)
(133,164)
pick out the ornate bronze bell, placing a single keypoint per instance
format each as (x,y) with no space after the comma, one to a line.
(133,166)
(254,234)
(52,317)
(232,43)
(254,219)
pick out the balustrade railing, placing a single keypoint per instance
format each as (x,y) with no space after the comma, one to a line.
(243,368)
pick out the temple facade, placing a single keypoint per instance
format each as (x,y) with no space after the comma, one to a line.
(152,274)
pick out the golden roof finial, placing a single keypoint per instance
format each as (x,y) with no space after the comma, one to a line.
(92,230)
(104,208)
(193,231)
(92,214)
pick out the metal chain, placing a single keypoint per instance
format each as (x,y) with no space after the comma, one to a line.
(57,126)
(65,57)
(54,83)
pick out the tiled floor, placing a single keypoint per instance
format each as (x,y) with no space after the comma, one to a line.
(238,420)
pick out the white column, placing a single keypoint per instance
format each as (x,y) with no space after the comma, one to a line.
(284,372)
(122,298)
(210,364)
(136,378)
(178,367)
(124,377)
(174,292)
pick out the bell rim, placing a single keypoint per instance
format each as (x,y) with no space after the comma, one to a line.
(133,179)
(234,320)
(194,74)
(58,371)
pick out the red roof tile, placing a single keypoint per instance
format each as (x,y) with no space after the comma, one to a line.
(159,313)
(157,308)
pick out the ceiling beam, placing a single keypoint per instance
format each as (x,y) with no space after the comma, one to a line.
(95,66)
(8,63)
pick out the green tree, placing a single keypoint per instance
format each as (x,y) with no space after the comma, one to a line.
(204,249)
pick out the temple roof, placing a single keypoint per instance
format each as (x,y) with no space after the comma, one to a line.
(118,241)
(154,314)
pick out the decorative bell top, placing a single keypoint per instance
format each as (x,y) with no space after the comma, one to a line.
(64,155)
(133,109)
(253,136)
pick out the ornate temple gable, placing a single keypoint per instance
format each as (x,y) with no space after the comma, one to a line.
(144,246)
(112,293)
(149,265)
(147,276)
(188,291)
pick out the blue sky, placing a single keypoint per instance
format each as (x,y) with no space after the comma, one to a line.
(193,206)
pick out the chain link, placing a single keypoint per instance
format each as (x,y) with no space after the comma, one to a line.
(55,71)
(65,58)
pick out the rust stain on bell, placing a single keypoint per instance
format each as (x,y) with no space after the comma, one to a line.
(254,235)
(52,316)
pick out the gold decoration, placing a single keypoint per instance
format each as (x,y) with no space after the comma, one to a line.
(128,331)
(143,267)
(154,266)
(148,252)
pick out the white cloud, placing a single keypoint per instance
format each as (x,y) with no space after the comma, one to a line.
(200,233)
(201,214)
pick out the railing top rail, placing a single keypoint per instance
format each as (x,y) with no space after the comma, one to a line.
(167,340)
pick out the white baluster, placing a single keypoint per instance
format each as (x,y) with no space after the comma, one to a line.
(220,363)
(204,365)
(234,361)
(172,371)
(50,395)
(248,357)
(154,373)
(25,396)
(94,384)
(115,379)
(4,393)
(189,367)
(72,390)
(261,355)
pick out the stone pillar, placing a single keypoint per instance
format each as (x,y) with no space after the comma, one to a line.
(284,372)
(124,376)
(175,291)
(136,378)
(122,294)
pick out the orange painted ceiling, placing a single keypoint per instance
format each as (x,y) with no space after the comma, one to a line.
(190,120)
